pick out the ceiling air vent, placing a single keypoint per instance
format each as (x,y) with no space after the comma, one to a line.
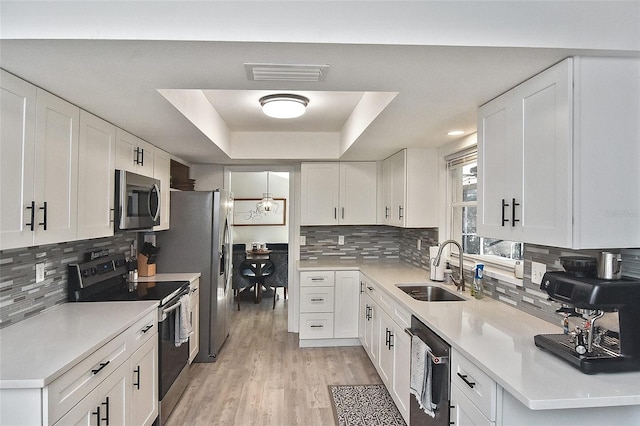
(285,72)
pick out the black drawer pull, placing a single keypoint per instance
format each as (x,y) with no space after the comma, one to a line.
(513,212)
(106,404)
(137,381)
(317,300)
(97,414)
(464,378)
(44,223)
(316,326)
(102,365)
(147,328)
(504,204)
(32,207)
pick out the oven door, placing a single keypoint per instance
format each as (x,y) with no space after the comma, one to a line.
(172,359)
(138,201)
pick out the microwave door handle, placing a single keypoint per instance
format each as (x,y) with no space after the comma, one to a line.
(154,190)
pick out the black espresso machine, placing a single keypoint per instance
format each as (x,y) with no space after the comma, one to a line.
(589,347)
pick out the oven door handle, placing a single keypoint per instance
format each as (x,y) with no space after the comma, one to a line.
(171,308)
(436,359)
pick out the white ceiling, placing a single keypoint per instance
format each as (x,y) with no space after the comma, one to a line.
(113,65)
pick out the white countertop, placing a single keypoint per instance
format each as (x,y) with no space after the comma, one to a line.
(499,339)
(36,351)
(180,276)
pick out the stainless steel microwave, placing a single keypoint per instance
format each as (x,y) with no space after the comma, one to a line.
(137,201)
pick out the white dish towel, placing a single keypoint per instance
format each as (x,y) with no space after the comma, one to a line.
(183,321)
(421,375)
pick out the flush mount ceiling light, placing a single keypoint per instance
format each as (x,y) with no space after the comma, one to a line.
(284,105)
(456,133)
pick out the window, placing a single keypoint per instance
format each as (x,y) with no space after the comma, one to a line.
(462,182)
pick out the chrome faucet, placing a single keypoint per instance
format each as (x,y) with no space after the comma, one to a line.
(436,262)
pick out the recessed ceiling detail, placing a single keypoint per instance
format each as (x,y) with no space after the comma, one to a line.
(285,72)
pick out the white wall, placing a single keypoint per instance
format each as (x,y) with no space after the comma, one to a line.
(208,177)
(253,185)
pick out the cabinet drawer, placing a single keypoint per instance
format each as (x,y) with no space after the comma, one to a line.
(67,390)
(142,331)
(474,384)
(316,299)
(316,326)
(464,412)
(317,278)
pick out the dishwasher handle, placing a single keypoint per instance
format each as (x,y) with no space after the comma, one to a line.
(436,359)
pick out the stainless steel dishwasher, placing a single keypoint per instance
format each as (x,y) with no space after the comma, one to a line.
(439,356)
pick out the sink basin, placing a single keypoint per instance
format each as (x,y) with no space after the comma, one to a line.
(429,293)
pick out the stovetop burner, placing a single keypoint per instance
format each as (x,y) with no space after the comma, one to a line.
(105,279)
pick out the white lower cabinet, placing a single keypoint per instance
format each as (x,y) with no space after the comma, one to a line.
(194,339)
(386,342)
(463,412)
(108,403)
(144,384)
(329,307)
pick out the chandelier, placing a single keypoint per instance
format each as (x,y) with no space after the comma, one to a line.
(265,205)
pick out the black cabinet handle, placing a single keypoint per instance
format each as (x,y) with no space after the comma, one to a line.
(387,339)
(44,223)
(136,158)
(106,404)
(147,328)
(391,336)
(464,379)
(102,365)
(32,207)
(370,288)
(513,212)
(97,414)
(400,215)
(142,152)
(361,287)
(316,326)
(317,300)
(504,204)
(386,212)
(137,381)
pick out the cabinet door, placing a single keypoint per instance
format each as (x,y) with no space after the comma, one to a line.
(401,379)
(358,193)
(146,153)
(194,339)
(126,153)
(544,144)
(56,170)
(372,331)
(162,172)
(17,160)
(144,383)
(464,413)
(385,337)
(347,298)
(319,193)
(96,177)
(496,167)
(398,188)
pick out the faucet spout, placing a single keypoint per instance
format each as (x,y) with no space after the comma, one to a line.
(436,262)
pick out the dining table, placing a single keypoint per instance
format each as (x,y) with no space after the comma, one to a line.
(258,258)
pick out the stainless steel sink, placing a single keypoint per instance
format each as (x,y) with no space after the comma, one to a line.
(429,293)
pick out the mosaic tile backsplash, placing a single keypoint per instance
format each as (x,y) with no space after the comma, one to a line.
(388,243)
(21,297)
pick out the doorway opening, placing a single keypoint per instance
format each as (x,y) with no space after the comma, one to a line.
(261,235)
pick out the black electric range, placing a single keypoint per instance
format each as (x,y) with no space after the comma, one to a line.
(106,279)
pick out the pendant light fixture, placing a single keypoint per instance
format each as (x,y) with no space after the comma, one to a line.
(284,105)
(265,205)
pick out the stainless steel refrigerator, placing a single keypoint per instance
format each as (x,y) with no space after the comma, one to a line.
(199,240)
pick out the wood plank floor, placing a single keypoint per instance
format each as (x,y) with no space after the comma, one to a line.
(262,377)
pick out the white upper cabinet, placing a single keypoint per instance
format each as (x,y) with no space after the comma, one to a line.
(162,172)
(410,189)
(558,157)
(17,160)
(96,177)
(339,193)
(133,154)
(56,171)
